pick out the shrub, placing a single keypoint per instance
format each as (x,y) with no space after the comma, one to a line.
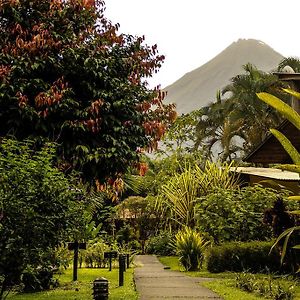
(190,246)
(266,287)
(161,244)
(37,279)
(94,255)
(235,215)
(238,256)
(38,210)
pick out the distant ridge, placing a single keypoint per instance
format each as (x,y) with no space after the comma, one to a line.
(198,87)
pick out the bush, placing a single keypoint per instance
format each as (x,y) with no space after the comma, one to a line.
(37,279)
(94,255)
(190,247)
(161,244)
(238,256)
(266,287)
(38,210)
(235,215)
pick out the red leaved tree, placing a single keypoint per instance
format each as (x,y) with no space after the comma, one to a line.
(68,76)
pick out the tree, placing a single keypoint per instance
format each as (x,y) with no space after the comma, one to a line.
(38,205)
(68,76)
(293,62)
(238,122)
(257,117)
(141,215)
(216,129)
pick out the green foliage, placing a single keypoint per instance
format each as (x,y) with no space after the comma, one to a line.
(63,257)
(179,196)
(161,170)
(190,247)
(283,108)
(38,206)
(235,214)
(34,279)
(287,145)
(93,257)
(234,125)
(293,62)
(68,76)
(181,135)
(215,175)
(239,256)
(82,289)
(294,118)
(140,221)
(161,244)
(266,287)
(288,246)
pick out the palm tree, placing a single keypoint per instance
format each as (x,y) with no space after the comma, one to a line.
(216,130)
(293,62)
(239,115)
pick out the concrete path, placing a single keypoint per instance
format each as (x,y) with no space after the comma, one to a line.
(153,282)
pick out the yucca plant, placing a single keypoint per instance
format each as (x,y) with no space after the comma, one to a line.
(180,194)
(190,247)
(215,175)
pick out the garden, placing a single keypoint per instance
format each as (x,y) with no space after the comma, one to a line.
(92,162)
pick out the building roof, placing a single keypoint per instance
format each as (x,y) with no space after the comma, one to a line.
(271,173)
(270,151)
(288,76)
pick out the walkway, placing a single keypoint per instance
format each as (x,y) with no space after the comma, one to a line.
(154,282)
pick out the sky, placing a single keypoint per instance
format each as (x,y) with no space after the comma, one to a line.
(192,32)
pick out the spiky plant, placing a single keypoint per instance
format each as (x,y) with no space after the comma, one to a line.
(190,247)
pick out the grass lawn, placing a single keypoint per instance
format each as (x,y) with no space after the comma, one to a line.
(224,283)
(82,289)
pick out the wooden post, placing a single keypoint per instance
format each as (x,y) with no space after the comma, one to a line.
(75,261)
(128,260)
(121,269)
(75,247)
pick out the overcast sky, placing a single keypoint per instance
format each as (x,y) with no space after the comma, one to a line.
(191,32)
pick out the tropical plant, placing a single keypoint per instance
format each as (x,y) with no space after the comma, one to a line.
(238,123)
(68,76)
(93,257)
(294,118)
(235,214)
(215,133)
(39,208)
(267,287)
(292,62)
(181,135)
(190,246)
(179,196)
(139,217)
(214,175)
(161,244)
(161,169)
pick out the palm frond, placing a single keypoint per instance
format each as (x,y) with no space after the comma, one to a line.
(287,145)
(281,107)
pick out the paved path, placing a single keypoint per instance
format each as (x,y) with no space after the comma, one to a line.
(153,282)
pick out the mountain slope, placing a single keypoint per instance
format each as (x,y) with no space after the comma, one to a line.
(198,87)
